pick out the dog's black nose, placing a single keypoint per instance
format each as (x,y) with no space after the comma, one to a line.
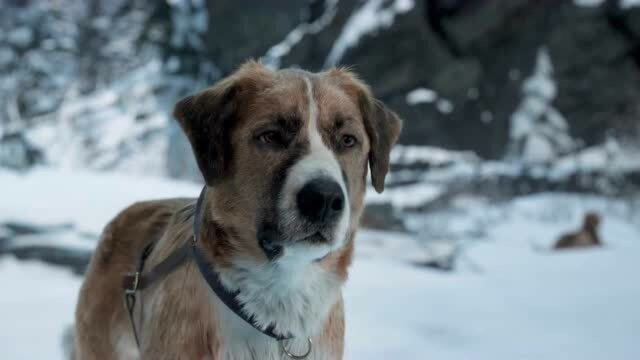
(321,200)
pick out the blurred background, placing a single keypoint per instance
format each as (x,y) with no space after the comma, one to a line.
(521,117)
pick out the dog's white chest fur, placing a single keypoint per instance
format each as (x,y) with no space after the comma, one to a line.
(294,296)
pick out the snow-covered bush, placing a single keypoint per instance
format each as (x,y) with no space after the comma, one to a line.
(539,133)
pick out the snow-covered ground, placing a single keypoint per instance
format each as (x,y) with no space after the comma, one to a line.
(508,299)
(36,307)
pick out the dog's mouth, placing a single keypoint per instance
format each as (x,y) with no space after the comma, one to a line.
(273,243)
(315,238)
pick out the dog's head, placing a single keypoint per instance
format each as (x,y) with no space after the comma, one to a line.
(591,221)
(287,153)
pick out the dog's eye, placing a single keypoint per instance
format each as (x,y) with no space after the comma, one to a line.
(348,141)
(269,137)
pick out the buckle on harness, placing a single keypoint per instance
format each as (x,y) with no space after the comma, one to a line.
(134,287)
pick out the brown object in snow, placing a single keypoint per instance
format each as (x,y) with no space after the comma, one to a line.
(587,236)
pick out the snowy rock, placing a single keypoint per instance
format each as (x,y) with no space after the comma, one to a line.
(421,96)
(370,17)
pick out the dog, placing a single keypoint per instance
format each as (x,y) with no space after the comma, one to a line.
(586,237)
(285,156)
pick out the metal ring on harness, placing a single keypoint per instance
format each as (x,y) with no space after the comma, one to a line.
(293,356)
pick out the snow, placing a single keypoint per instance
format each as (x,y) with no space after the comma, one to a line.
(411,154)
(538,131)
(36,307)
(510,299)
(189,21)
(610,158)
(588,3)
(366,20)
(21,37)
(408,196)
(606,165)
(526,306)
(522,304)
(537,149)
(427,96)
(421,95)
(444,106)
(39,61)
(6,56)
(274,55)
(121,126)
(628,4)
(542,82)
(66,240)
(624,4)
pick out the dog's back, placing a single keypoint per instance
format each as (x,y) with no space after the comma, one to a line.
(117,254)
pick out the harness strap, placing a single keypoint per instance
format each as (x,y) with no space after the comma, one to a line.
(132,283)
(230,298)
(138,281)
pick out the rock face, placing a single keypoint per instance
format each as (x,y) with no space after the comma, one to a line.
(597,70)
(454,69)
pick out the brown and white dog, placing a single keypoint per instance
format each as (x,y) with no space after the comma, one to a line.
(285,156)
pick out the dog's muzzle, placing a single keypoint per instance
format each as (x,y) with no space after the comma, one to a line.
(314,216)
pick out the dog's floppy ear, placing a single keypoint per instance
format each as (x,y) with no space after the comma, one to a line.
(208,117)
(383,125)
